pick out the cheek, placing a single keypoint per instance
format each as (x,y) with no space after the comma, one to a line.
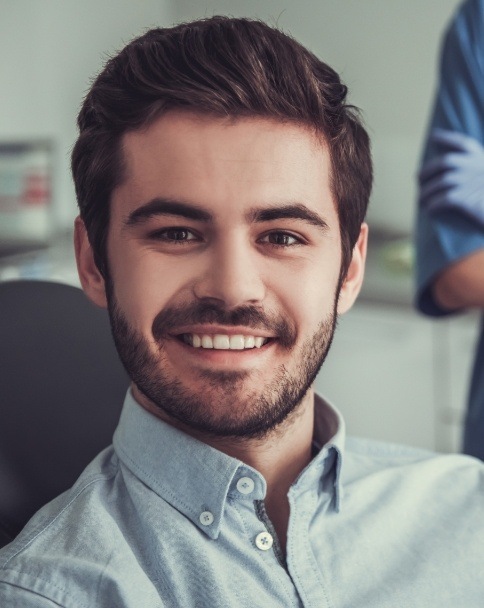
(307,297)
(145,284)
(140,289)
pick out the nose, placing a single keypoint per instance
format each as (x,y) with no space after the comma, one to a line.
(232,274)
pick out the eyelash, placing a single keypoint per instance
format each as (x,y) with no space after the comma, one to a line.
(161,235)
(298,240)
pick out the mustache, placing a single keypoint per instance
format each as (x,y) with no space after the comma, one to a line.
(207,313)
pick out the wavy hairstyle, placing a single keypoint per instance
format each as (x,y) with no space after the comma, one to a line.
(225,67)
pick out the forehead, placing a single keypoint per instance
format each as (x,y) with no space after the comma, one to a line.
(212,161)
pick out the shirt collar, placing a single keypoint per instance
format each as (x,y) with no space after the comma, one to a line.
(196,478)
(323,473)
(329,437)
(190,475)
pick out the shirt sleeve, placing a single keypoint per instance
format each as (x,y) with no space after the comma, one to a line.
(446,237)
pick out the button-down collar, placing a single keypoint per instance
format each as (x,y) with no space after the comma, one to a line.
(196,479)
(323,474)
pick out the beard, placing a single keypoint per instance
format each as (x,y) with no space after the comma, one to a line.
(232,404)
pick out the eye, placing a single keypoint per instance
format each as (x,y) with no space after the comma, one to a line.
(281,239)
(175,234)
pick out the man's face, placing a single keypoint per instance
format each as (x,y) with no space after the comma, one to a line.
(224,255)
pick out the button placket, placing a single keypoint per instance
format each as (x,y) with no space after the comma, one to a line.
(264,541)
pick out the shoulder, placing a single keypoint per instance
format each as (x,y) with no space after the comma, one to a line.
(466,30)
(467,17)
(470,10)
(61,537)
(456,476)
(420,513)
(385,449)
(387,454)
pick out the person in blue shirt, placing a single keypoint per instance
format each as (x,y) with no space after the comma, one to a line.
(450,223)
(223,180)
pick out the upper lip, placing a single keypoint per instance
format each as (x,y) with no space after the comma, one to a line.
(208,330)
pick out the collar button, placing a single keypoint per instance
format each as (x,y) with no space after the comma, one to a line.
(206,518)
(245,485)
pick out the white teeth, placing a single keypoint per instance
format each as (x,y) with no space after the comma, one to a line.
(237,343)
(249,342)
(223,341)
(207,342)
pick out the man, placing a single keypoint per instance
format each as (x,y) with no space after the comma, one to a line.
(450,227)
(223,181)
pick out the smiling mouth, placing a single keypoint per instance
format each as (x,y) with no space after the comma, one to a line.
(223,341)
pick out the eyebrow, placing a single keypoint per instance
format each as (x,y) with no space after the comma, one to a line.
(296,211)
(165,206)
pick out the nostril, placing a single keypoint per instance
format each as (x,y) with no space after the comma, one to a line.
(230,287)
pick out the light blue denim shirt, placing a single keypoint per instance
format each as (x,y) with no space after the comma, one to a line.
(161,519)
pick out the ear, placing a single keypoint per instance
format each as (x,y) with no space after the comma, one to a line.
(91,279)
(356,270)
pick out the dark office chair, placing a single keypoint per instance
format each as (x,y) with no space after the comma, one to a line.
(61,391)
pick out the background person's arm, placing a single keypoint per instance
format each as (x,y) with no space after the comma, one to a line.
(461,285)
(454,182)
(449,241)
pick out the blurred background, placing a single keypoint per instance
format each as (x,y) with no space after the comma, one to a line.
(394,374)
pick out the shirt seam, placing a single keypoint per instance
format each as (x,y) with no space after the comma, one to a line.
(52,521)
(39,593)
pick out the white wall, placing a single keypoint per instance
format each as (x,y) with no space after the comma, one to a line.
(49,49)
(386,51)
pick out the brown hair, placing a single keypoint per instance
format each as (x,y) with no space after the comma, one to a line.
(225,67)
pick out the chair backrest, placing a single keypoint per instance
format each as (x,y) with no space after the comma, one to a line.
(61,391)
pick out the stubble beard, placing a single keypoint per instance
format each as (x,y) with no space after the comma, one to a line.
(225,407)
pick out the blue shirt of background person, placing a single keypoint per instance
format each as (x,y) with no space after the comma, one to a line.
(450,224)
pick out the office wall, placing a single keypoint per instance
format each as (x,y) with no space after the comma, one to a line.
(49,49)
(386,51)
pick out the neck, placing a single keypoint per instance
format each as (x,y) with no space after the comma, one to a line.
(281,455)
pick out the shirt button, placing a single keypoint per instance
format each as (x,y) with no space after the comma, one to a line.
(245,485)
(264,541)
(206,518)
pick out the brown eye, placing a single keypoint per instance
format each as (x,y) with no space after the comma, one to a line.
(177,234)
(281,239)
